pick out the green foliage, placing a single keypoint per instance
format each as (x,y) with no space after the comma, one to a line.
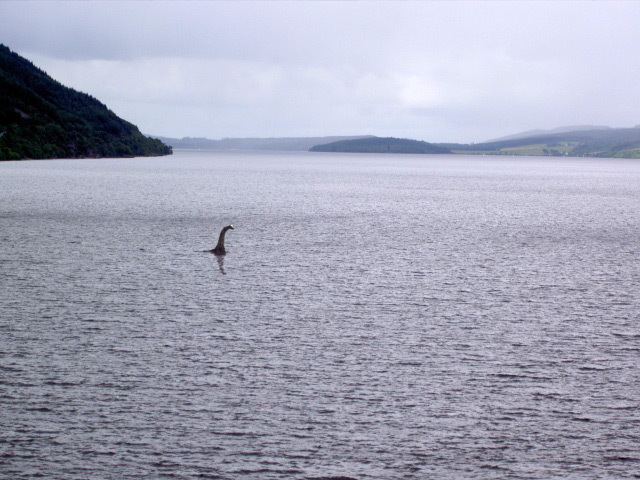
(613,142)
(40,118)
(628,153)
(380,145)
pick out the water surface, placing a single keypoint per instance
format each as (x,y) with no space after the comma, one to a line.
(376,316)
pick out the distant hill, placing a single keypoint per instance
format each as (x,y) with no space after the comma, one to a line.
(276,144)
(380,145)
(41,118)
(533,133)
(612,142)
(593,142)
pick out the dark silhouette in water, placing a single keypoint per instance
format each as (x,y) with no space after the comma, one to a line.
(219,250)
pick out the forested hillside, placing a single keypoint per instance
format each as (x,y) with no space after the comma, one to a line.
(380,145)
(40,118)
(612,142)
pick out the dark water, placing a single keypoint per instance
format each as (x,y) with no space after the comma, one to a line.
(377,317)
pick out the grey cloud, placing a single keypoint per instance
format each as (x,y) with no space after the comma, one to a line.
(439,71)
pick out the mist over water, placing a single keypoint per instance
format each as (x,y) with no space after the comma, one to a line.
(376,317)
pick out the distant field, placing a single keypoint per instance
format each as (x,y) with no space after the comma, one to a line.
(533,149)
(629,153)
(527,150)
(542,149)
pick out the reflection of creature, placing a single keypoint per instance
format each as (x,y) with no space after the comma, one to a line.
(220,259)
(219,250)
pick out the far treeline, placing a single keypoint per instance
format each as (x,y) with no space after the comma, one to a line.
(41,118)
(281,144)
(604,142)
(380,145)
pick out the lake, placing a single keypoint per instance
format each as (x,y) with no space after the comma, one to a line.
(375,317)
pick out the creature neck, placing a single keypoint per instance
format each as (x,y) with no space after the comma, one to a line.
(220,245)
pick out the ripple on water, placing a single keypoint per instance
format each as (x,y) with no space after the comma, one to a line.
(413,318)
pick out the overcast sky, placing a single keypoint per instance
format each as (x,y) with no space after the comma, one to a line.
(434,71)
